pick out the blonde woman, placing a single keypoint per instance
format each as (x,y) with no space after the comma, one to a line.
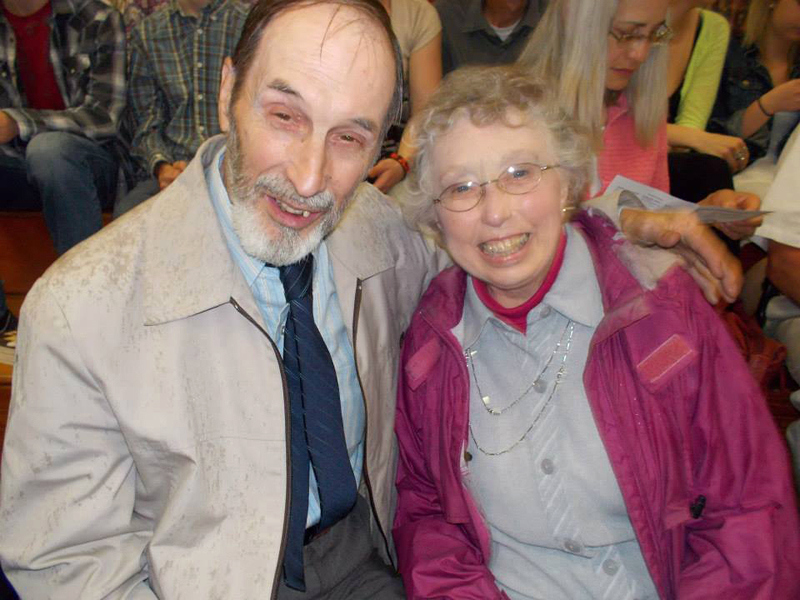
(696,57)
(761,76)
(607,61)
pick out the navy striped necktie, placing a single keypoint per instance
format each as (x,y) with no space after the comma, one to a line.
(317,431)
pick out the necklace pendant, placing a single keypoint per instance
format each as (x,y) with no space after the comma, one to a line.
(540,385)
(486,401)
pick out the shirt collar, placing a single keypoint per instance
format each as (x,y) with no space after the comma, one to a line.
(575,294)
(475,21)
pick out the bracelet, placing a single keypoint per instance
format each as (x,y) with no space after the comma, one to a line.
(761,106)
(403,162)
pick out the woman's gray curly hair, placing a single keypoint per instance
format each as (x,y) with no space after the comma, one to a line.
(488,95)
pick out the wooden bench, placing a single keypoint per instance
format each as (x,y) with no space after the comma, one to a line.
(25,253)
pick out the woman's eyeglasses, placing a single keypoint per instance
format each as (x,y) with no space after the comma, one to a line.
(516,180)
(659,36)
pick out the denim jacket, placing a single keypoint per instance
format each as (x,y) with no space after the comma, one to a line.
(744,79)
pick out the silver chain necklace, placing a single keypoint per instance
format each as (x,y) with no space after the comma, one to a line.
(537,384)
(559,377)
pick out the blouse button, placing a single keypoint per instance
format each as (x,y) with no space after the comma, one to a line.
(610,567)
(548,468)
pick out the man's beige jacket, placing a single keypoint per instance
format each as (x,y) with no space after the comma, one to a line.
(146,452)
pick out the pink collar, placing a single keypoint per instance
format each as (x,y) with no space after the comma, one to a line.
(517,316)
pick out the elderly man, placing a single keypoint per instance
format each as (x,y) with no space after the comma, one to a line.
(169,473)
(222,426)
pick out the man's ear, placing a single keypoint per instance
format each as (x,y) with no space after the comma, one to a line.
(225,93)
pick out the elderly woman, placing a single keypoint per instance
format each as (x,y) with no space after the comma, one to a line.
(565,430)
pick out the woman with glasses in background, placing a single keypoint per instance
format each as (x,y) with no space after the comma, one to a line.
(607,62)
(568,430)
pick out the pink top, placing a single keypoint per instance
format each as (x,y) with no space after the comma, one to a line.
(623,155)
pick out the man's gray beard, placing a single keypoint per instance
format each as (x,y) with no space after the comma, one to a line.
(290,245)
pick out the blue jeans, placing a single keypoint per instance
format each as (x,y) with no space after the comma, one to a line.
(69,177)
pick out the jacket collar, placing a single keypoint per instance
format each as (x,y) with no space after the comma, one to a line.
(624,298)
(360,240)
(188,268)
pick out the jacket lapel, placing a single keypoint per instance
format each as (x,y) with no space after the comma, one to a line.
(188,268)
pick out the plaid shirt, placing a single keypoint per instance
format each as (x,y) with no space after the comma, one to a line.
(87,51)
(175,65)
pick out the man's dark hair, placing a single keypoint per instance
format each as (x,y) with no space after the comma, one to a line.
(264,11)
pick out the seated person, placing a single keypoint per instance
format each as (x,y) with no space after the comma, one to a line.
(607,61)
(567,430)
(780,236)
(419,35)
(760,77)
(490,32)
(174,67)
(59,121)
(699,162)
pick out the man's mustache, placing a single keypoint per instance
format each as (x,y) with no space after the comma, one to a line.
(281,188)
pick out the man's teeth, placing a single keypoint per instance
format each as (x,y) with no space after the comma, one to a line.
(293,211)
(506,246)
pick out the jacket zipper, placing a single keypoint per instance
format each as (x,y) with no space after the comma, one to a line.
(356,310)
(287,424)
